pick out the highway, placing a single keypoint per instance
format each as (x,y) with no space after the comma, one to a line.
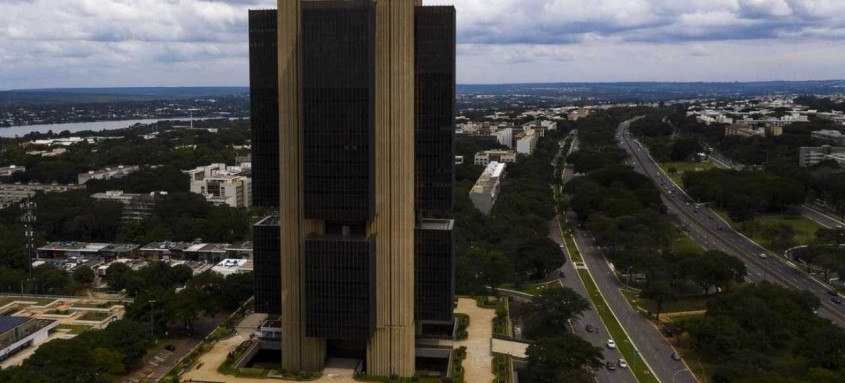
(710,230)
(648,340)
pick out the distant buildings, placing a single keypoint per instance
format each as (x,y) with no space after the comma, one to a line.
(7,171)
(495,155)
(14,193)
(483,194)
(811,155)
(80,252)
(135,206)
(232,266)
(749,131)
(223,185)
(107,173)
(833,137)
(578,114)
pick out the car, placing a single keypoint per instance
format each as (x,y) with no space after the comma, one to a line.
(676,356)
(836,300)
(590,328)
(763,255)
(611,366)
(832,293)
(170,347)
(623,363)
(611,344)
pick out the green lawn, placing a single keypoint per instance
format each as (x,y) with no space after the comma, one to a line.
(642,373)
(534,289)
(681,305)
(683,167)
(682,243)
(75,329)
(805,228)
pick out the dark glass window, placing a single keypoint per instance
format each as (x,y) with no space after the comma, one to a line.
(266,254)
(264,107)
(434,269)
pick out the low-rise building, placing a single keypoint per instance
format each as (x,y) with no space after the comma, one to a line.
(223,185)
(751,131)
(500,156)
(18,333)
(578,114)
(833,137)
(811,155)
(136,207)
(483,194)
(17,192)
(107,173)
(6,171)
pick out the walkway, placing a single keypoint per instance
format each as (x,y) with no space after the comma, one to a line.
(515,349)
(478,364)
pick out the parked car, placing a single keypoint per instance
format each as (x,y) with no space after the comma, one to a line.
(611,344)
(611,366)
(623,363)
(836,300)
(590,328)
(676,356)
(832,293)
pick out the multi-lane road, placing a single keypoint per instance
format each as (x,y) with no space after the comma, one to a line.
(654,349)
(710,230)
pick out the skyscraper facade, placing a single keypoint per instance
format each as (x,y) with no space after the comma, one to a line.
(353,108)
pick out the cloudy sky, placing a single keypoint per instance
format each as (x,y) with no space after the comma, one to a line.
(91,43)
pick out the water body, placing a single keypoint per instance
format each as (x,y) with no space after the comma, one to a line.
(73,127)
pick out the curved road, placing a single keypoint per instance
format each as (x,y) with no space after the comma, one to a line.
(710,230)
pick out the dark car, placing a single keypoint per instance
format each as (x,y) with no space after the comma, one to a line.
(610,366)
(170,347)
(836,300)
(590,328)
(832,293)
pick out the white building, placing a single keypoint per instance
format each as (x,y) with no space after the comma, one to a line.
(811,155)
(488,156)
(834,137)
(505,137)
(527,142)
(223,185)
(14,193)
(18,333)
(483,194)
(232,266)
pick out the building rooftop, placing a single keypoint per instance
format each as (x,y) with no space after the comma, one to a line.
(10,322)
(489,178)
(73,246)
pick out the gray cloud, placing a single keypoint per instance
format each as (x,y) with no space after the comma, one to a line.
(51,43)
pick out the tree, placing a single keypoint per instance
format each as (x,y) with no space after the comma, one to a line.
(83,275)
(660,293)
(562,358)
(550,311)
(118,275)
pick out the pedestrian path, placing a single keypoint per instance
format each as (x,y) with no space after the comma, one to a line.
(478,364)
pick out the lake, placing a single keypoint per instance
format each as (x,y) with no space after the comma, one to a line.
(73,127)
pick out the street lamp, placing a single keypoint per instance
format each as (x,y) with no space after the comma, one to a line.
(152,317)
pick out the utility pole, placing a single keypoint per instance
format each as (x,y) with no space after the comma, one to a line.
(28,219)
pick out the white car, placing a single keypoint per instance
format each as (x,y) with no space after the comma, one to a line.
(611,344)
(763,255)
(623,363)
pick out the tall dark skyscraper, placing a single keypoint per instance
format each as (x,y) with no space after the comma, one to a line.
(353,107)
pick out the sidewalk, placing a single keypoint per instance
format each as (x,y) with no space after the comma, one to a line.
(478,364)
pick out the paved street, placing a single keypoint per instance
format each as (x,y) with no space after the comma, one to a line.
(710,230)
(591,317)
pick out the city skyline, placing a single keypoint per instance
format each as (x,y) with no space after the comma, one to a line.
(109,43)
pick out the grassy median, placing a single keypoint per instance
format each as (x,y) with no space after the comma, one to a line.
(623,343)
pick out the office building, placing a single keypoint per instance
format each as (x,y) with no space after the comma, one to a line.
(136,206)
(483,194)
(811,155)
(223,185)
(353,108)
(488,156)
(527,141)
(17,192)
